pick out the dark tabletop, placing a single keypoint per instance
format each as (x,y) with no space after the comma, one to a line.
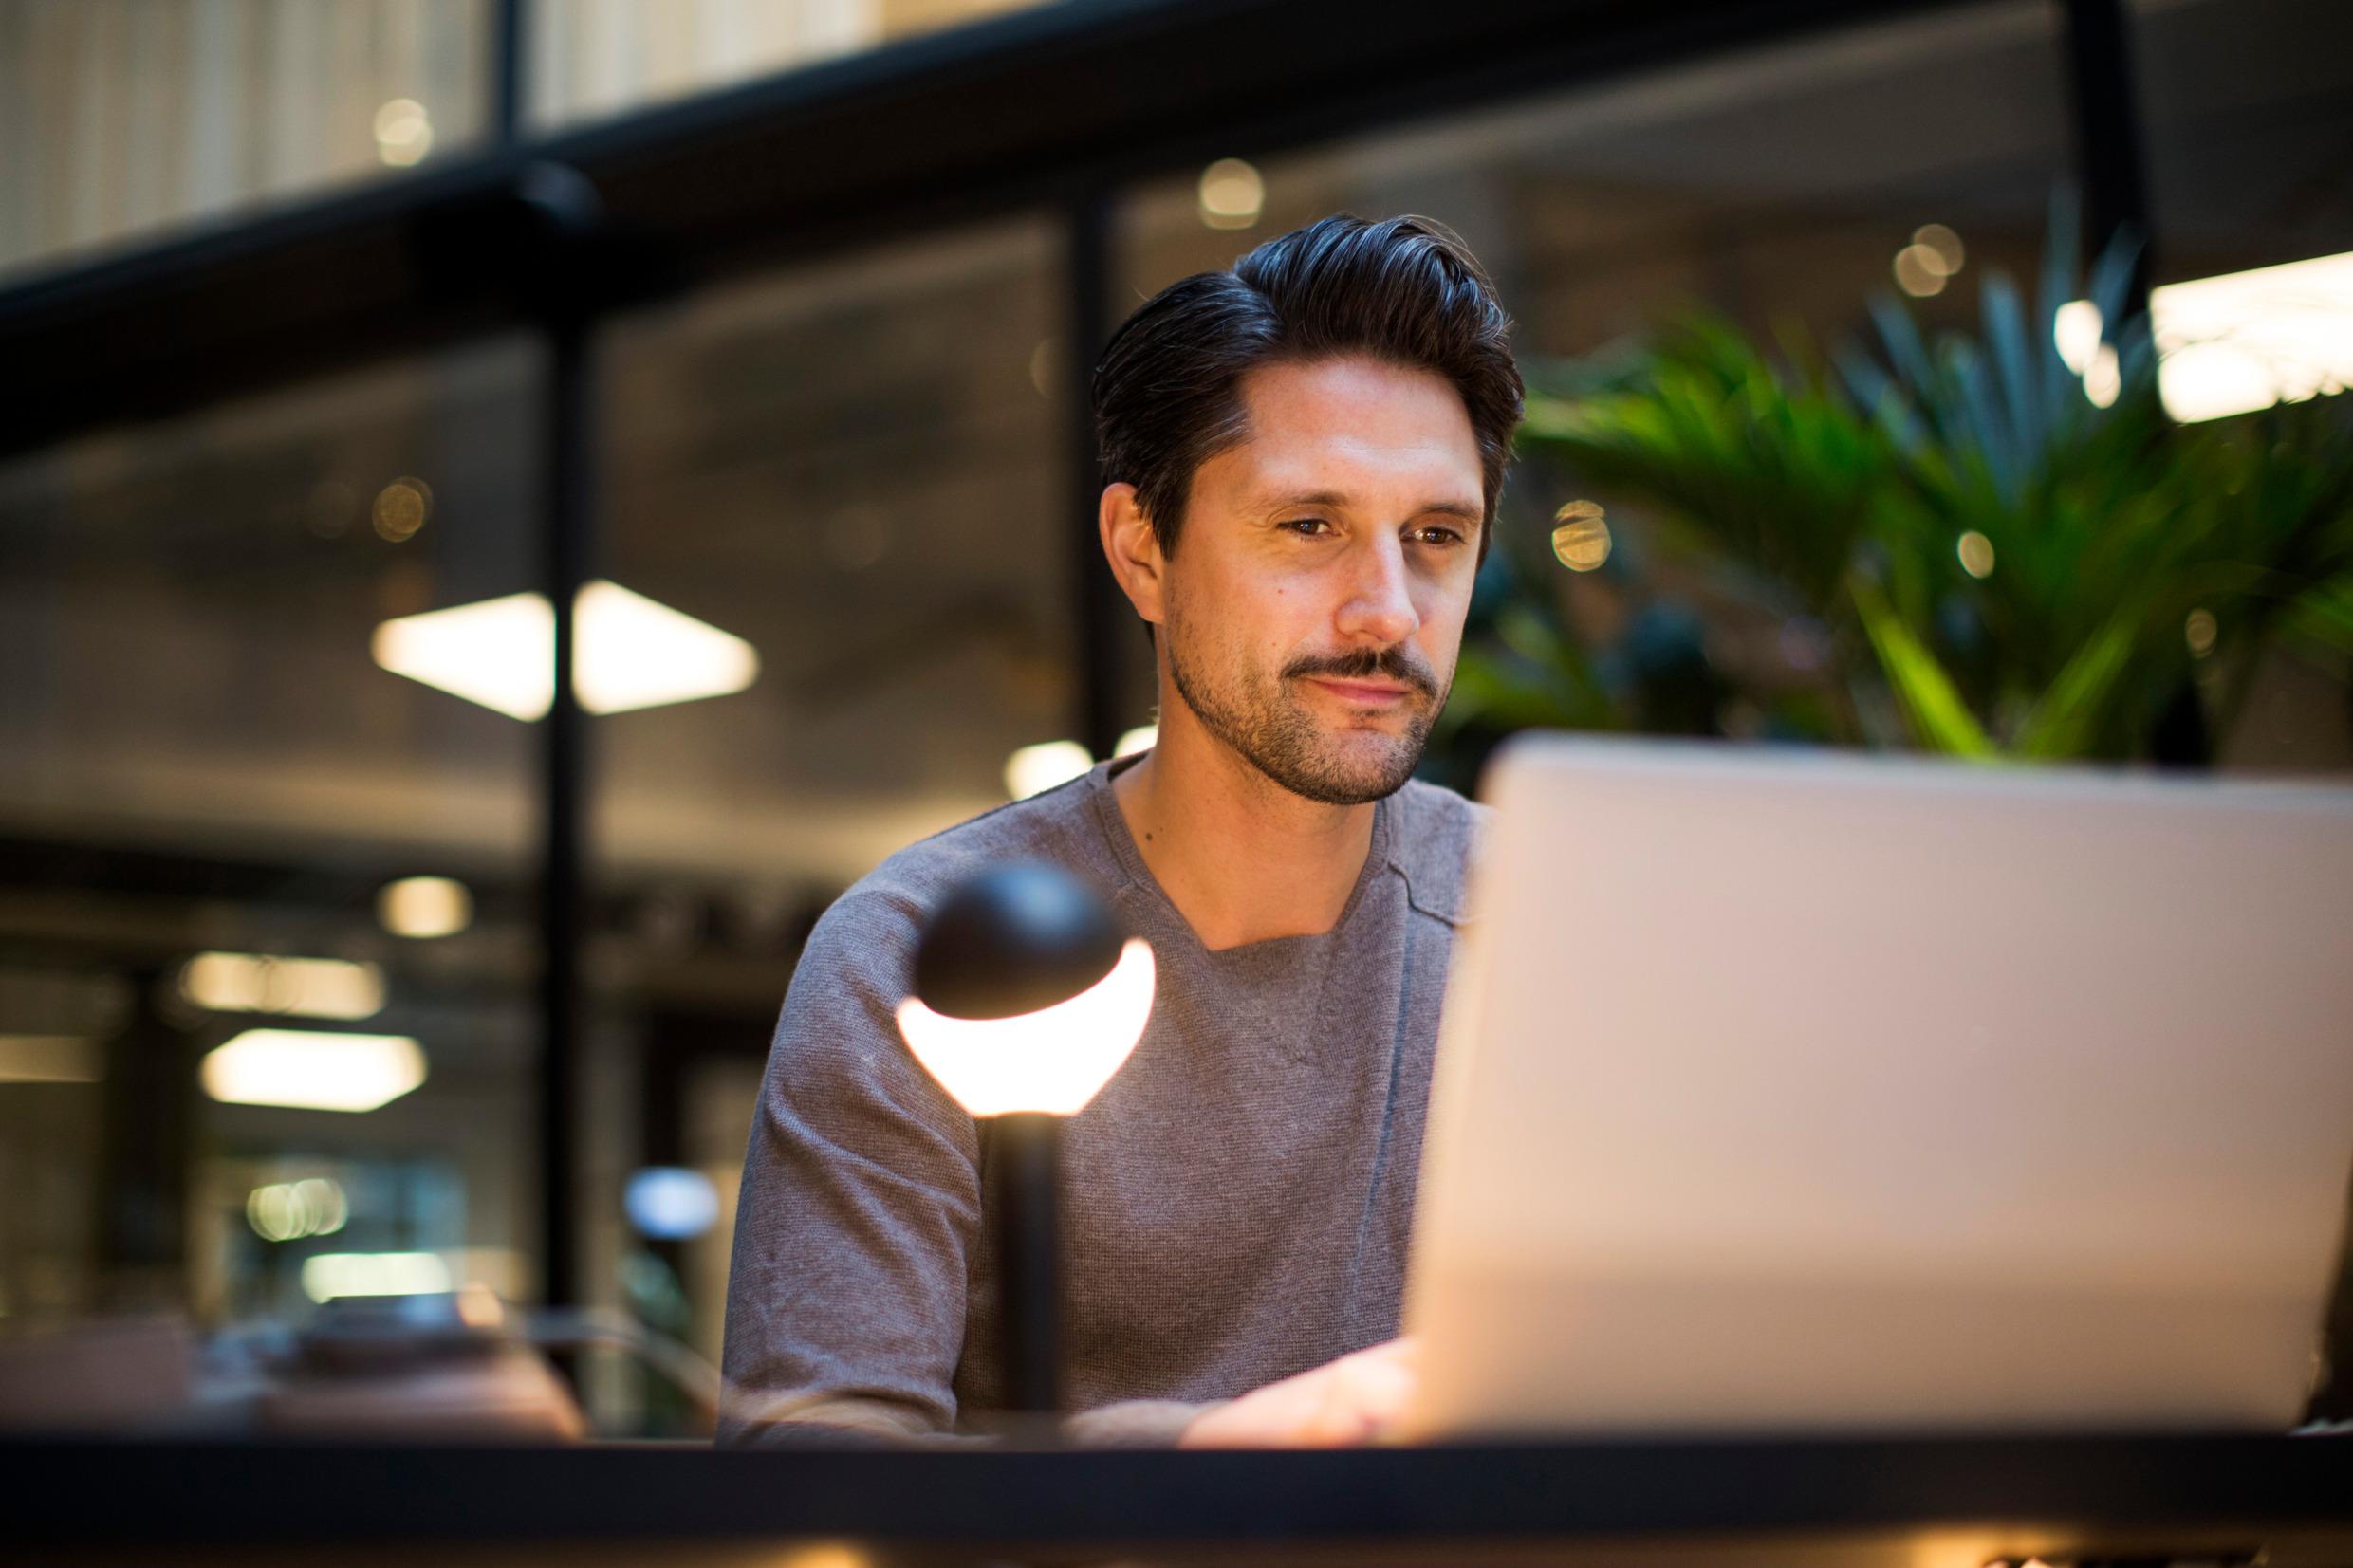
(1922,1503)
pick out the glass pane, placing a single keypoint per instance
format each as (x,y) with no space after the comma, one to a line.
(126,119)
(1776,184)
(592,58)
(218,981)
(858,469)
(2248,105)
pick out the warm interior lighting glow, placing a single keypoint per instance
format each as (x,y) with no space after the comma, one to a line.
(1232,194)
(403,132)
(49,1059)
(1143,738)
(257,982)
(1581,539)
(825,1555)
(1053,1060)
(1034,769)
(400,508)
(1976,553)
(313,1071)
(1941,244)
(333,1274)
(425,906)
(288,1211)
(2233,343)
(633,652)
(1919,271)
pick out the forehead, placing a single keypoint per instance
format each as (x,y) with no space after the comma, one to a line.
(1351,424)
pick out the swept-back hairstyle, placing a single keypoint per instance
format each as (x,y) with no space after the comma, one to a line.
(1405,290)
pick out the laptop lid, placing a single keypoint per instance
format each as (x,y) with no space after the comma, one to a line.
(1786,1091)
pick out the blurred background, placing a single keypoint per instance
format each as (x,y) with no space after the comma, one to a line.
(1956,377)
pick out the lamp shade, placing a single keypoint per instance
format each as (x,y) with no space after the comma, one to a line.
(1018,938)
(1026,997)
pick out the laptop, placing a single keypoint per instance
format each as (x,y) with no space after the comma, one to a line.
(1791,1092)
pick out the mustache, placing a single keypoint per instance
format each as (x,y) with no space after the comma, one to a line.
(1397,663)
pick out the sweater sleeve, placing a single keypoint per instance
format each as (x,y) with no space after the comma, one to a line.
(859,1211)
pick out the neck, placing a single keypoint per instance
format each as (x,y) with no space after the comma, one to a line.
(1242,859)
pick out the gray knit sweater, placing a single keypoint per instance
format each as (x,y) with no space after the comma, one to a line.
(1239,1196)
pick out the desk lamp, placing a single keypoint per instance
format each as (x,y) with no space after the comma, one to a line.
(1026,1002)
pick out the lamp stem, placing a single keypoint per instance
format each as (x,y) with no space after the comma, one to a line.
(1026,1220)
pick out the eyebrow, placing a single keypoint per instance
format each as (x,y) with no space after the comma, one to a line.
(1463,510)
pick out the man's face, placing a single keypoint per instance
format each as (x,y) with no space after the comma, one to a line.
(1313,607)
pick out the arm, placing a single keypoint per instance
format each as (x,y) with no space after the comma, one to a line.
(860,1210)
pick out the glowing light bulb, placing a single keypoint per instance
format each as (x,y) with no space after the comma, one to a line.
(1054,1059)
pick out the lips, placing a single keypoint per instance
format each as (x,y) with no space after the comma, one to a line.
(1370,693)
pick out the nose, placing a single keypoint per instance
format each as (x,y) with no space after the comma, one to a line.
(1379,609)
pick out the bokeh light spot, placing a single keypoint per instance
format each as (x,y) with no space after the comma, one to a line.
(1581,539)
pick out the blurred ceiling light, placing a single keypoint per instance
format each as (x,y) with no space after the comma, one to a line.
(400,508)
(311,1070)
(1919,271)
(1943,244)
(2233,343)
(1581,536)
(1034,769)
(1976,553)
(425,906)
(49,1059)
(288,1210)
(333,1274)
(671,1203)
(1232,194)
(257,982)
(633,652)
(1143,738)
(2200,631)
(403,132)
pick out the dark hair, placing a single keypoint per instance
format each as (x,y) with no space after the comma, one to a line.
(1405,290)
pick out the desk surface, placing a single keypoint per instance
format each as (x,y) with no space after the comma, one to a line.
(1924,1503)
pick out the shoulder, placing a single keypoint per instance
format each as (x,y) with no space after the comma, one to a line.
(1433,845)
(875,925)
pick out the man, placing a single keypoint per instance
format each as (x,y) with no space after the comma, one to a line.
(1303,455)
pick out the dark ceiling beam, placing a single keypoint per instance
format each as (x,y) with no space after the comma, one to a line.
(1016,112)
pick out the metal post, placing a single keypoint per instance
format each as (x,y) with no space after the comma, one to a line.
(148,1104)
(2110,159)
(1103,611)
(1025,1221)
(567,546)
(509,70)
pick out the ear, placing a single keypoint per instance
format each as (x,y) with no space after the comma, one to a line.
(1133,549)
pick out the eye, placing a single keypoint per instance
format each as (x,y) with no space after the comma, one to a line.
(1306,527)
(1438,533)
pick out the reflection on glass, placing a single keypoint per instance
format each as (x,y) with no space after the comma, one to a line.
(312,1070)
(633,653)
(881,504)
(2235,344)
(593,58)
(126,119)
(204,783)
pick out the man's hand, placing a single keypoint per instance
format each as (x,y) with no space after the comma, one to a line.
(1348,1401)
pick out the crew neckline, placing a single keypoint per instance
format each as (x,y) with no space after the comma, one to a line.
(1113,822)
